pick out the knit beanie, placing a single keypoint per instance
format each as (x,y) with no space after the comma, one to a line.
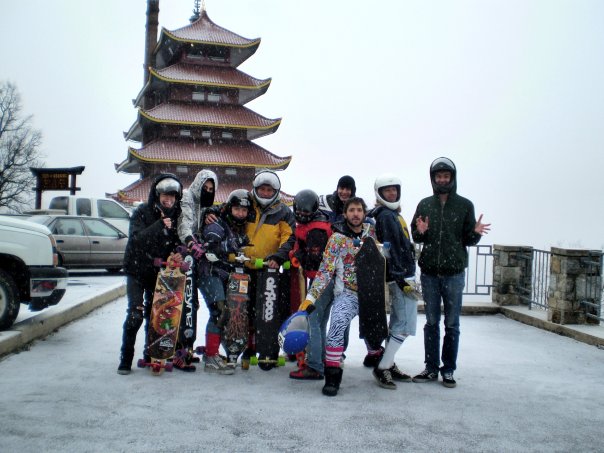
(347,182)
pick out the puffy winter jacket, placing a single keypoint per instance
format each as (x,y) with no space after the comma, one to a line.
(391,227)
(271,233)
(450,231)
(148,238)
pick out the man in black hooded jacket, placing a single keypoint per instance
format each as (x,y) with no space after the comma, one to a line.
(152,234)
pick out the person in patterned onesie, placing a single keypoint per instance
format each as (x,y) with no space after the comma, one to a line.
(338,264)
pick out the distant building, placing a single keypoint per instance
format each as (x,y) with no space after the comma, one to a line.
(191,112)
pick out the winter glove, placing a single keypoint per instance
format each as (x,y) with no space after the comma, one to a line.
(404,286)
(196,249)
(307,306)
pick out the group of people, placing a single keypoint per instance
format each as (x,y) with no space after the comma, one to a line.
(323,233)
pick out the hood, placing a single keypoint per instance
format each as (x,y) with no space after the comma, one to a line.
(198,183)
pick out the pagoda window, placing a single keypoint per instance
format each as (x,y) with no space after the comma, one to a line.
(185,132)
(219,54)
(214,97)
(231,171)
(227,134)
(199,96)
(182,169)
(206,134)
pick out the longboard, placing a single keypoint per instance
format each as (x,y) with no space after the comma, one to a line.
(166,313)
(235,333)
(370,267)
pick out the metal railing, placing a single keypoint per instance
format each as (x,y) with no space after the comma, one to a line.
(590,291)
(479,274)
(534,290)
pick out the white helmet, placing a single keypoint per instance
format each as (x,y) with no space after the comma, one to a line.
(270,178)
(386,180)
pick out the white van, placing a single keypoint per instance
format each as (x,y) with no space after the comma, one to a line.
(105,208)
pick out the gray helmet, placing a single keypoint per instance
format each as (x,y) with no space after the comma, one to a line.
(169,185)
(270,178)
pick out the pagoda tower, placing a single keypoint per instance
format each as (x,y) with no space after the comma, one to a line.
(191,112)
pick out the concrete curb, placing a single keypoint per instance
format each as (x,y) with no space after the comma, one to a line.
(45,323)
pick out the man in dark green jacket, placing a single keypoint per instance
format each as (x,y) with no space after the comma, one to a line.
(446,225)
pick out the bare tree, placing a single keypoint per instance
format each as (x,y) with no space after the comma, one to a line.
(19,150)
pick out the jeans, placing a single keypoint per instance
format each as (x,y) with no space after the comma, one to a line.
(403,313)
(317,326)
(447,289)
(140,298)
(212,290)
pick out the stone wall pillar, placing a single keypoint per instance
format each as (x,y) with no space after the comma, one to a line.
(575,277)
(512,273)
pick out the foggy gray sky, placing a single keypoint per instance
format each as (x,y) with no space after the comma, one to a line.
(510,90)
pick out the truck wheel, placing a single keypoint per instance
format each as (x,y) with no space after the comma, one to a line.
(9,301)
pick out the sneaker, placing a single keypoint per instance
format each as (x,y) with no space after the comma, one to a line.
(425,376)
(398,375)
(215,364)
(306,373)
(384,378)
(124,368)
(180,363)
(448,380)
(373,360)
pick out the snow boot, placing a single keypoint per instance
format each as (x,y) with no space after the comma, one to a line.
(373,360)
(333,378)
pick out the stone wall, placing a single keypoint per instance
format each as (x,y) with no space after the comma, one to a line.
(575,278)
(512,273)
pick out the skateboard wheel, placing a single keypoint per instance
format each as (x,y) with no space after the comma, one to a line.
(281,361)
(264,366)
(141,363)
(254,360)
(169,366)
(200,350)
(245,364)
(259,263)
(287,265)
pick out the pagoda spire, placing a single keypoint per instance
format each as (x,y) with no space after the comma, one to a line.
(196,10)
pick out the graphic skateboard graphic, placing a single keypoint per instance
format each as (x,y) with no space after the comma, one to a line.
(268,318)
(370,267)
(235,334)
(166,313)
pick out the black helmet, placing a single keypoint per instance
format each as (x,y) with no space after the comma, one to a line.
(443,164)
(306,204)
(238,197)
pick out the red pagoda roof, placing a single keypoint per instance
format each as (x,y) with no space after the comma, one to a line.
(209,75)
(139,191)
(223,116)
(203,30)
(214,76)
(188,152)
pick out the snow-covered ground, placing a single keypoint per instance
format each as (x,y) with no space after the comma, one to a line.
(519,389)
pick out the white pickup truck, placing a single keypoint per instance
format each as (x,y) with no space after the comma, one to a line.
(28,268)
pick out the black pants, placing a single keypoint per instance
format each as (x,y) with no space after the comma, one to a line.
(140,298)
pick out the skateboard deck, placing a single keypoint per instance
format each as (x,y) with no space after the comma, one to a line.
(235,333)
(267,320)
(371,280)
(297,288)
(187,331)
(166,313)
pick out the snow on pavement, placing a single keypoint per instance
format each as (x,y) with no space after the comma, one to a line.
(519,389)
